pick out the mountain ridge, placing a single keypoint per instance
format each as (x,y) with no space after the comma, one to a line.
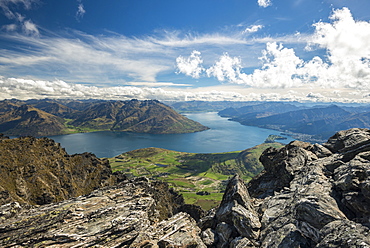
(49,117)
(315,123)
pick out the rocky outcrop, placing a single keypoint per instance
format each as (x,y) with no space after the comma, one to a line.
(39,171)
(309,195)
(135,213)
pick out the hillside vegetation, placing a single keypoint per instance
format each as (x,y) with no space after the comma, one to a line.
(200,178)
(39,171)
(50,117)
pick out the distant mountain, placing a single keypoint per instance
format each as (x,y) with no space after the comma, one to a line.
(55,108)
(318,122)
(51,117)
(207,106)
(27,120)
(136,116)
(259,110)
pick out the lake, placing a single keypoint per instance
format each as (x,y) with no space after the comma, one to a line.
(224,136)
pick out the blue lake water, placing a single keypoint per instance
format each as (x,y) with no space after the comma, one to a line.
(223,136)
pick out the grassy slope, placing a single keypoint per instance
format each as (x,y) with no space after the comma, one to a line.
(190,173)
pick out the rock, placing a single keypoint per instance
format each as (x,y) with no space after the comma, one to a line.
(125,215)
(178,231)
(240,242)
(280,167)
(39,171)
(307,196)
(237,210)
(344,234)
(209,237)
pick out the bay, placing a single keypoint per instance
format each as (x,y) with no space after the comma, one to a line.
(223,136)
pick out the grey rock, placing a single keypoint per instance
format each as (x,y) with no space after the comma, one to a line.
(178,231)
(344,234)
(240,242)
(224,233)
(237,210)
(307,196)
(209,237)
(108,217)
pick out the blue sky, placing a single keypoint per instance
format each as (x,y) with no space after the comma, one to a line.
(186,50)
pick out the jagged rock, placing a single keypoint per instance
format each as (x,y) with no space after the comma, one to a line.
(352,182)
(307,196)
(237,210)
(280,167)
(209,237)
(178,231)
(344,234)
(121,215)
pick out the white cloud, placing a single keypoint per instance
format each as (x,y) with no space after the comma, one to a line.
(226,69)
(80,11)
(27,26)
(38,89)
(157,84)
(30,28)
(10,27)
(347,43)
(7,6)
(252,29)
(347,63)
(191,66)
(264,3)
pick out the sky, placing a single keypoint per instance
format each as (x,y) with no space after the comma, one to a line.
(212,50)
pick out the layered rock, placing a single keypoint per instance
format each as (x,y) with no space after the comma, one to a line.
(307,196)
(135,213)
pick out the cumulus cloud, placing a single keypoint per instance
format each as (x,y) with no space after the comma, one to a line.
(37,89)
(346,64)
(191,66)
(264,3)
(226,69)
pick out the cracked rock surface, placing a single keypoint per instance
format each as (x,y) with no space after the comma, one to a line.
(309,195)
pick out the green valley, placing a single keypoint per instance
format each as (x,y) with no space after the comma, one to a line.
(200,178)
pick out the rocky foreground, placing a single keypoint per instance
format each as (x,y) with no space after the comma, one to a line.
(307,196)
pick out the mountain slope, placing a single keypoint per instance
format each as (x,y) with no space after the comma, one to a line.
(39,171)
(258,110)
(50,117)
(319,122)
(136,116)
(27,120)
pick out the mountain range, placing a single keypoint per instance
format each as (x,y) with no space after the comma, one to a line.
(54,117)
(316,123)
